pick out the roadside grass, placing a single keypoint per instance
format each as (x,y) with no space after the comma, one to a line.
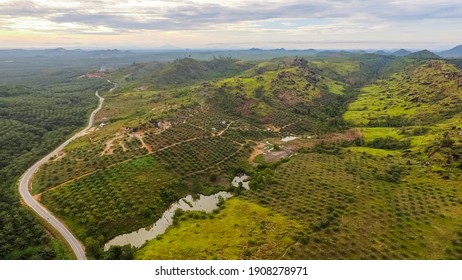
(61,252)
(242,230)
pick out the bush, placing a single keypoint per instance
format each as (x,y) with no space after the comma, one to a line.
(392,175)
(119,253)
(213,178)
(389,143)
(391,121)
(419,131)
(447,142)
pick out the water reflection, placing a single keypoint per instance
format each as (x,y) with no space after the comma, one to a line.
(139,237)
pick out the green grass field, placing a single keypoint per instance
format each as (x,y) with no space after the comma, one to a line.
(242,230)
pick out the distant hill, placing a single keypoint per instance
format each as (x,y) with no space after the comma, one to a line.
(185,70)
(424,54)
(271,53)
(332,53)
(380,52)
(401,52)
(454,52)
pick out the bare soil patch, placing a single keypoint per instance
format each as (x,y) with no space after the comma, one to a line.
(349,135)
(273,127)
(290,98)
(59,156)
(257,150)
(139,136)
(246,108)
(109,149)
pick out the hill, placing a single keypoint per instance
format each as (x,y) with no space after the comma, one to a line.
(423,54)
(401,52)
(416,108)
(454,52)
(181,72)
(423,94)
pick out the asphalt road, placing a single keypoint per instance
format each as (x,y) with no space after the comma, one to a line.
(26,181)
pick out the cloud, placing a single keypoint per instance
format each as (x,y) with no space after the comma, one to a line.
(188,15)
(239,20)
(22,8)
(191,16)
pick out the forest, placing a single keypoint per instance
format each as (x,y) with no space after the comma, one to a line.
(33,120)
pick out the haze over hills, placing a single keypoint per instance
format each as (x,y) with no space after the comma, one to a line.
(163,54)
(16,63)
(454,52)
(401,52)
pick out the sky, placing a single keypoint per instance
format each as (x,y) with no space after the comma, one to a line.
(227,24)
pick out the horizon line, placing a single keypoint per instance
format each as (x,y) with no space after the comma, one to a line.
(174,48)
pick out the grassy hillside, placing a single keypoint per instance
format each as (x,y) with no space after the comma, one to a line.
(180,72)
(418,109)
(241,230)
(419,96)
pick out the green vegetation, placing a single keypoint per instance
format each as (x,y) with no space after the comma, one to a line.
(389,143)
(117,199)
(33,121)
(80,160)
(422,95)
(373,174)
(358,206)
(242,230)
(182,71)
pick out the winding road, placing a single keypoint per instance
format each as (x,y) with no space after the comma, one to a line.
(26,181)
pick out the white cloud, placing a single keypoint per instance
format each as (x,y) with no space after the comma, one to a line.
(219,21)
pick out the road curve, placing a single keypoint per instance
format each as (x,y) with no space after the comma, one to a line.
(26,181)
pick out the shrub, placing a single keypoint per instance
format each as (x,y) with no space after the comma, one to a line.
(389,143)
